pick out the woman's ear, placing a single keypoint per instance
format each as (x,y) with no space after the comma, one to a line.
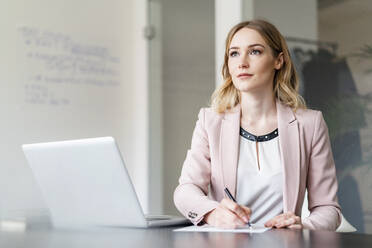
(279,61)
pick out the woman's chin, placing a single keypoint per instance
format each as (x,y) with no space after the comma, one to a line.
(250,88)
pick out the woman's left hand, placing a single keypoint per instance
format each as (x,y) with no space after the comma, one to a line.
(288,220)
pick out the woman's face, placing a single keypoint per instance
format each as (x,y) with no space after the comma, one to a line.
(251,63)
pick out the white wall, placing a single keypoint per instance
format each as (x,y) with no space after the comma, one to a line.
(139,133)
(34,109)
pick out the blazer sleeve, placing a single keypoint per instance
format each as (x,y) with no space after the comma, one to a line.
(190,196)
(321,181)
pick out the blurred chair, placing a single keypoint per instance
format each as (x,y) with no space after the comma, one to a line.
(345,226)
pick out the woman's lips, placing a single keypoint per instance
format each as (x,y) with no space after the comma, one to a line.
(245,75)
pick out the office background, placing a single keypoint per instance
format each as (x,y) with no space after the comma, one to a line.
(140,70)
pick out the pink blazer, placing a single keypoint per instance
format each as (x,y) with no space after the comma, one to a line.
(211,165)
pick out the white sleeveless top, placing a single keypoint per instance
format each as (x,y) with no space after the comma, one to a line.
(260,176)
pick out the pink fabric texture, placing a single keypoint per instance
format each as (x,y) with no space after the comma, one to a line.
(307,160)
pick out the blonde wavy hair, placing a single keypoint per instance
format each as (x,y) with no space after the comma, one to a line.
(286,82)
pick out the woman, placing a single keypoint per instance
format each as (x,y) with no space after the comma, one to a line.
(260,142)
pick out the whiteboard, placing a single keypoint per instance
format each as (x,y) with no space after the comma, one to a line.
(66,73)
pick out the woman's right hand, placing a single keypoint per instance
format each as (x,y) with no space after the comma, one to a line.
(228,214)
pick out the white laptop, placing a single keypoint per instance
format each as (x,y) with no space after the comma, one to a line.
(85,182)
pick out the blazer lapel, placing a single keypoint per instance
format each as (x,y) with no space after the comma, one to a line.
(229,148)
(290,152)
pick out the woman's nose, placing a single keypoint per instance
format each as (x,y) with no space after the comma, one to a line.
(243,65)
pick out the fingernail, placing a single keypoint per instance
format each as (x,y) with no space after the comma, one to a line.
(245,219)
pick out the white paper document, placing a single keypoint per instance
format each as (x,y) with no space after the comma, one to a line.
(207,228)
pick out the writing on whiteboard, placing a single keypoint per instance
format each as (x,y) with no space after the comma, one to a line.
(53,59)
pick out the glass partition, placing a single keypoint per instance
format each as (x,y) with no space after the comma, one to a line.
(338,79)
(181,82)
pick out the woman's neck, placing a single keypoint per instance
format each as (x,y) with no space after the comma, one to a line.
(258,112)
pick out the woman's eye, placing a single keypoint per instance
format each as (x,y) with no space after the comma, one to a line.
(234,54)
(255,52)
